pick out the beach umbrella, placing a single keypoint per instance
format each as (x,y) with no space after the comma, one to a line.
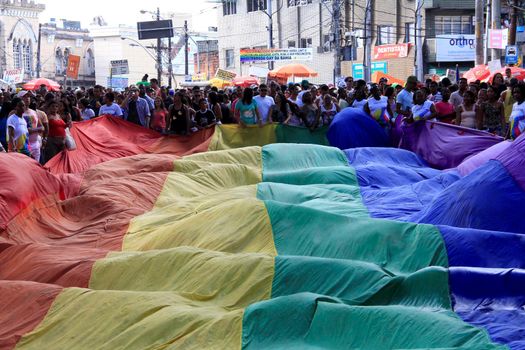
(295,70)
(479,72)
(36,83)
(245,81)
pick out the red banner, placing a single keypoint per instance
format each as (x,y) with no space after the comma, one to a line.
(383,52)
(73,66)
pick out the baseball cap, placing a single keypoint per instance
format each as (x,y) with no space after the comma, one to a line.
(22,93)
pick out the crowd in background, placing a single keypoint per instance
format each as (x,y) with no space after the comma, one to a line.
(36,123)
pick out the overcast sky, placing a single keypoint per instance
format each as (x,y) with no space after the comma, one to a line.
(117,12)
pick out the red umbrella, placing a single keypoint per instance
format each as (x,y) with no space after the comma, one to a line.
(479,72)
(245,81)
(516,72)
(36,83)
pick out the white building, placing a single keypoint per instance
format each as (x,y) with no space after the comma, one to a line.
(243,24)
(121,42)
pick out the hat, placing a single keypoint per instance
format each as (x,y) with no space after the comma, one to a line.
(305,83)
(22,93)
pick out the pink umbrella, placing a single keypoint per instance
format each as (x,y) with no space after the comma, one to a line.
(36,83)
(245,81)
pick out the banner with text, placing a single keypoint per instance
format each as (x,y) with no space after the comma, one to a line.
(260,55)
(73,66)
(13,76)
(455,48)
(383,52)
(225,75)
(498,38)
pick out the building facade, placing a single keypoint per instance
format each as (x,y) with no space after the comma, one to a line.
(308,23)
(58,41)
(19,35)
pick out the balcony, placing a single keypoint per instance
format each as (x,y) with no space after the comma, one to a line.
(449,4)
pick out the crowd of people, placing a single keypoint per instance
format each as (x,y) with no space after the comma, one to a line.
(36,123)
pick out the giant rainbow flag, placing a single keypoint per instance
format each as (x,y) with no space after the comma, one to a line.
(142,242)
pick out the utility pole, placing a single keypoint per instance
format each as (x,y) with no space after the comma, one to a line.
(270,31)
(419,41)
(513,22)
(186,37)
(170,66)
(336,13)
(487,27)
(479,31)
(159,53)
(496,18)
(367,59)
(38,62)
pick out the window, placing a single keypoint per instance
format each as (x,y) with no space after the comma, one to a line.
(27,57)
(359,38)
(59,61)
(256,5)
(385,35)
(453,25)
(90,62)
(292,3)
(229,7)
(306,42)
(327,43)
(79,42)
(291,43)
(50,38)
(17,54)
(410,32)
(230,58)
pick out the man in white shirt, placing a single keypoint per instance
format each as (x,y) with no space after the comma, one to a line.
(456,98)
(265,104)
(110,107)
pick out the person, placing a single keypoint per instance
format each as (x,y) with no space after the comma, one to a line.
(445,110)
(468,113)
(328,109)
(517,117)
(196,97)
(349,86)
(136,108)
(294,95)
(405,99)
(227,116)
(377,107)
(507,98)
(56,140)
(508,75)
(390,94)
(179,121)
(149,95)
(422,109)
(499,83)
(204,117)
(17,131)
(215,106)
(305,85)
(342,97)
(158,116)
(281,110)
(456,98)
(309,112)
(492,113)
(482,97)
(265,104)
(110,107)
(246,111)
(435,95)
(34,126)
(96,101)
(154,85)
(86,113)
(359,99)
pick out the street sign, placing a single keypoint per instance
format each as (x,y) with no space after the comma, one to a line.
(155,29)
(119,67)
(511,54)
(358,69)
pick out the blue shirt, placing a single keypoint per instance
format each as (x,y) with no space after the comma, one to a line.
(143,111)
(406,99)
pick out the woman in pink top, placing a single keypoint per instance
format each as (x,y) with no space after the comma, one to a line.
(445,110)
(158,116)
